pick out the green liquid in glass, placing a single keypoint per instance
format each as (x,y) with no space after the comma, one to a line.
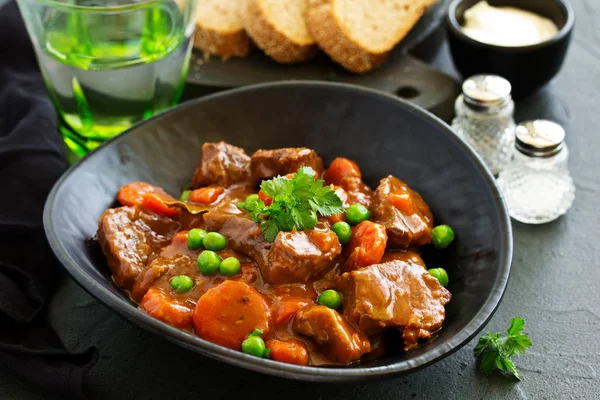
(107,72)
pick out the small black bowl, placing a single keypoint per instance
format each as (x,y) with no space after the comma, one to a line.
(528,68)
(383,134)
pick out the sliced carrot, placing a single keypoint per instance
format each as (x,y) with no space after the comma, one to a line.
(180,238)
(163,307)
(206,195)
(265,198)
(286,306)
(132,194)
(156,204)
(340,169)
(290,351)
(346,174)
(366,246)
(227,313)
(402,201)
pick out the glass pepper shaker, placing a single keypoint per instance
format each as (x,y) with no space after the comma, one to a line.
(537,185)
(484,119)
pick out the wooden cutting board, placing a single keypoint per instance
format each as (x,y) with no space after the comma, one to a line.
(402,74)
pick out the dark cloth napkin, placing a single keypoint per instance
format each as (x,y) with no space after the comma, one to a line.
(31,159)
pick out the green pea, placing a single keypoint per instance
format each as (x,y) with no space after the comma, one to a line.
(256,332)
(214,241)
(267,353)
(208,262)
(181,283)
(185,196)
(195,238)
(357,213)
(230,266)
(330,298)
(343,231)
(440,274)
(254,345)
(443,235)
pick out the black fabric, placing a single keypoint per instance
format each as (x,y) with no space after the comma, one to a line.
(31,160)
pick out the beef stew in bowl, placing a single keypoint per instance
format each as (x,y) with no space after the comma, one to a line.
(383,135)
(266,269)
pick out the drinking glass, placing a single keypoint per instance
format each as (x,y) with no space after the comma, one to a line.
(109,63)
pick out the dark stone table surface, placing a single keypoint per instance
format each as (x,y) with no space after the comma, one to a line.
(554,285)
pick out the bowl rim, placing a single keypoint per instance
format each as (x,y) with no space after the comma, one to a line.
(125,308)
(456,28)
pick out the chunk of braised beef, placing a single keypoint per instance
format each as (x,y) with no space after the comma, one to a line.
(242,233)
(222,164)
(266,164)
(399,294)
(294,257)
(403,212)
(173,259)
(338,340)
(235,194)
(300,256)
(403,255)
(130,239)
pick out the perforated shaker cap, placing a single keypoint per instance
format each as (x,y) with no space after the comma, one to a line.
(540,138)
(486,91)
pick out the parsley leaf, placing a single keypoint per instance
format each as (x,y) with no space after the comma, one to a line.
(255,208)
(497,350)
(516,343)
(296,203)
(270,229)
(485,341)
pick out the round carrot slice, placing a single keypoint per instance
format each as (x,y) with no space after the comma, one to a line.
(227,313)
(132,194)
(289,351)
(366,246)
(165,308)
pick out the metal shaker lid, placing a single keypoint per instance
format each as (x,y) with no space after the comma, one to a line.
(540,138)
(486,91)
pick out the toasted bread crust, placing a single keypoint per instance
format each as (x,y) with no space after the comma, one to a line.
(333,38)
(225,44)
(274,43)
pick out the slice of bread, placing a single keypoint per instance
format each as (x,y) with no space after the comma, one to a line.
(359,34)
(278,27)
(219,28)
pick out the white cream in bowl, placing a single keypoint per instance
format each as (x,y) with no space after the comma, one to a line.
(506,26)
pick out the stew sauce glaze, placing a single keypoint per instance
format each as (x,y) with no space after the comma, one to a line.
(382,278)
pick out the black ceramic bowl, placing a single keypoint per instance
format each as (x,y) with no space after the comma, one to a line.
(383,134)
(528,68)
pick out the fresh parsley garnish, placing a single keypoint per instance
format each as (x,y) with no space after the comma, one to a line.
(497,350)
(296,203)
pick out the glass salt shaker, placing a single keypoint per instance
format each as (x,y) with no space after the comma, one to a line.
(484,119)
(537,185)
